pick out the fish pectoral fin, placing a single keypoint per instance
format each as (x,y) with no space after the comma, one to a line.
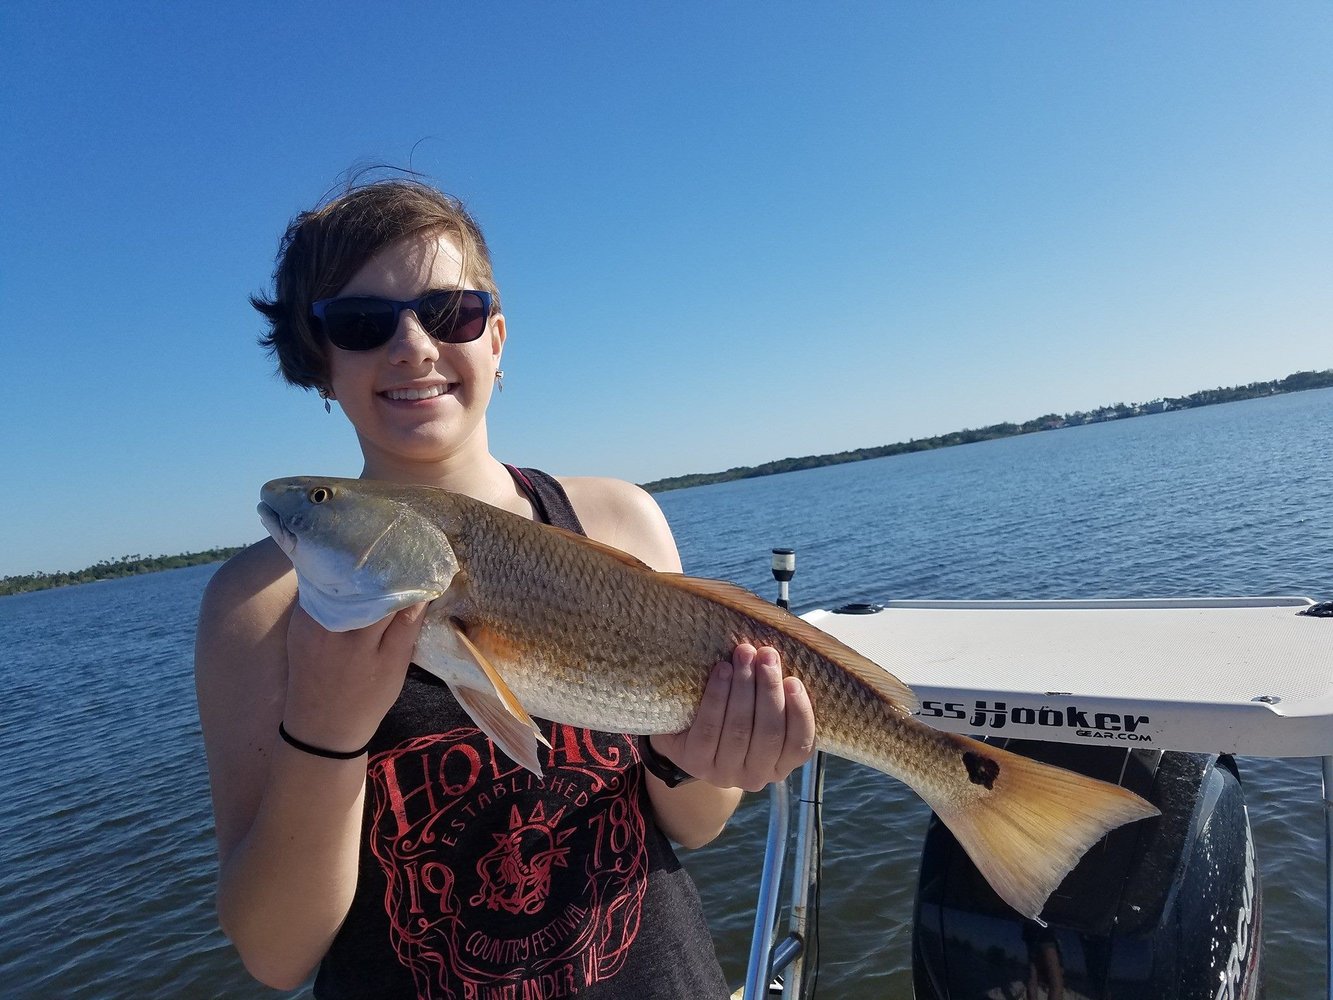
(507,732)
(444,650)
(507,697)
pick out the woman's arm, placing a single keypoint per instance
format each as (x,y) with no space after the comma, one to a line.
(288,822)
(753,727)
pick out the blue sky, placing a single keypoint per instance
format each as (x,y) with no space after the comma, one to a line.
(725,232)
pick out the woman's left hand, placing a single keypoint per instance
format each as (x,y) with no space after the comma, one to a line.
(753,727)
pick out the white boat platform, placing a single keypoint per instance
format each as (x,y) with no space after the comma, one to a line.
(1250,676)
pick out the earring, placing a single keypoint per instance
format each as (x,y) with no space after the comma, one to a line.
(500,379)
(324,395)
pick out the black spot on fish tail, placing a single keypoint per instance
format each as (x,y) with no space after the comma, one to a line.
(981,770)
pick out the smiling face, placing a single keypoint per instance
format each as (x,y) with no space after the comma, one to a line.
(415,402)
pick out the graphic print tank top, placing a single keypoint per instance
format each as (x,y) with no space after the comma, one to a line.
(479,881)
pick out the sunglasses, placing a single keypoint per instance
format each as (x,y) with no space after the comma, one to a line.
(365,322)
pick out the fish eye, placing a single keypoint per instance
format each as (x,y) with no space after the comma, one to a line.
(319,494)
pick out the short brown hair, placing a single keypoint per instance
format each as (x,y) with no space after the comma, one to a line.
(322,249)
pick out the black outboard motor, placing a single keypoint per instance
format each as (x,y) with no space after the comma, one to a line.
(1164,909)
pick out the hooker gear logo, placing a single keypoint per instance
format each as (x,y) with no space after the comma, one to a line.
(501,885)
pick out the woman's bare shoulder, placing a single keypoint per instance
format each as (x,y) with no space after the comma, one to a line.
(248,594)
(623,515)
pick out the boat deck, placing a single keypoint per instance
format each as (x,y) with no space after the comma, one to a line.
(1249,676)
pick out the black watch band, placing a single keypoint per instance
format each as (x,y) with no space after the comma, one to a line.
(662,767)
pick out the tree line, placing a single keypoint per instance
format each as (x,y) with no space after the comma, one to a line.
(1050,421)
(109,569)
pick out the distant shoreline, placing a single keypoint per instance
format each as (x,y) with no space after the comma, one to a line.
(1297,382)
(112,569)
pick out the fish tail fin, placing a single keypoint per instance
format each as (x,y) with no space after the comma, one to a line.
(1026,824)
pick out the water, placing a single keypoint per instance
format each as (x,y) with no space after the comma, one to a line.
(108,865)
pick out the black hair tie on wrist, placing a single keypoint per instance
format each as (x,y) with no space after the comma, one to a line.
(315,751)
(665,768)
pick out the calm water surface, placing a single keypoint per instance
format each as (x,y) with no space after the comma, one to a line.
(107,878)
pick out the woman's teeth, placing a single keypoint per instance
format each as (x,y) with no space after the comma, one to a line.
(431,393)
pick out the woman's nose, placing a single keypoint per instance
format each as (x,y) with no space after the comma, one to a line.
(411,343)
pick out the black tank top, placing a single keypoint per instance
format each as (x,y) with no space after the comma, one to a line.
(479,881)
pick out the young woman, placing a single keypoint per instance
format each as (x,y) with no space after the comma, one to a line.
(364,824)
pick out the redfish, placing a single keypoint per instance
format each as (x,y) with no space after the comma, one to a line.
(526,619)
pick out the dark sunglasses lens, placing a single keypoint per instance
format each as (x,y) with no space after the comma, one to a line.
(358,324)
(453,317)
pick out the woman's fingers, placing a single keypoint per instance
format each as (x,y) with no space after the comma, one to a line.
(769,731)
(799,743)
(341,684)
(753,726)
(738,728)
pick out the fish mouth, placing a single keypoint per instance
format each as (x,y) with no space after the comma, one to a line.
(272,521)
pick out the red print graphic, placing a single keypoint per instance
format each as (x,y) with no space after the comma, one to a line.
(516,876)
(485,897)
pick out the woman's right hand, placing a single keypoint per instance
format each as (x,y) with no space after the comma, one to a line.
(340,685)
